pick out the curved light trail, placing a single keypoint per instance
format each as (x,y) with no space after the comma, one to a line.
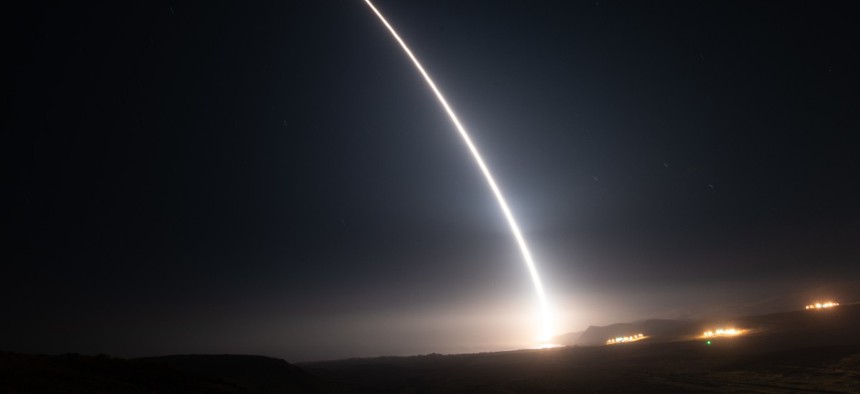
(545,315)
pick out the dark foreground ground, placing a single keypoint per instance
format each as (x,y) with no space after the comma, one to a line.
(793,352)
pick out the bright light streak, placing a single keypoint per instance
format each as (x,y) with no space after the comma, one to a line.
(825,305)
(546,330)
(723,332)
(632,338)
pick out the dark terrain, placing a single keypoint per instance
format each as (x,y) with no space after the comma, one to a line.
(792,352)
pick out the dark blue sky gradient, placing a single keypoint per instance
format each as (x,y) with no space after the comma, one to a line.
(277,179)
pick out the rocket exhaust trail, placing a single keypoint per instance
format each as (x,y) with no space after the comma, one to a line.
(545,317)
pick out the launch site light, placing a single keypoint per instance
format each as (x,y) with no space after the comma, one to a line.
(631,338)
(822,305)
(722,332)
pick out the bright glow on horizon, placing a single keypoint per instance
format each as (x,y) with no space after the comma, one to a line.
(722,332)
(633,338)
(545,330)
(825,305)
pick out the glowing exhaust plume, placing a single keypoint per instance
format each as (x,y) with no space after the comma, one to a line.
(825,305)
(545,324)
(633,338)
(722,332)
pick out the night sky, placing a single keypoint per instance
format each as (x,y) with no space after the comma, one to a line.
(277,179)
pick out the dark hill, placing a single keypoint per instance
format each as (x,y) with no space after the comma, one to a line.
(800,351)
(256,374)
(23,373)
(793,325)
(656,330)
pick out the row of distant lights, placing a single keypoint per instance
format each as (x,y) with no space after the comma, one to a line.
(720,332)
(822,306)
(632,338)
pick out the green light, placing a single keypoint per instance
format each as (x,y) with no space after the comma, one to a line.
(708,342)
